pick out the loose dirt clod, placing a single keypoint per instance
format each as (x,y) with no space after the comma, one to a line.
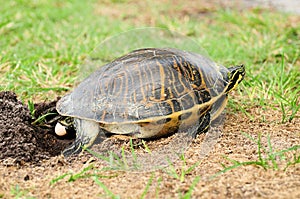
(22,141)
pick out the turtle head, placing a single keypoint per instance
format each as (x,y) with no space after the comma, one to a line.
(235,76)
(64,126)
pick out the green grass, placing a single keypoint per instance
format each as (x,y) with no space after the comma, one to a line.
(108,193)
(147,187)
(17,192)
(188,194)
(115,162)
(180,175)
(45,43)
(87,172)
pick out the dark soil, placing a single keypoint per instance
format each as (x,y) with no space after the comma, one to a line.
(21,139)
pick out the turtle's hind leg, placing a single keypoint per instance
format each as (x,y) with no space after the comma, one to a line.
(86,135)
(204,124)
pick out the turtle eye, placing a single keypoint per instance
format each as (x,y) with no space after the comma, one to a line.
(69,121)
(229,75)
(237,72)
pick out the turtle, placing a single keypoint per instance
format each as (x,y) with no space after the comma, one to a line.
(148,93)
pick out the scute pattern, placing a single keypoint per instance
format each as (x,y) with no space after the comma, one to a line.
(143,84)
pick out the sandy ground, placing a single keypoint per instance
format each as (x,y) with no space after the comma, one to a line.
(242,182)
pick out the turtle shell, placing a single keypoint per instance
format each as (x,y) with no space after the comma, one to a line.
(147,84)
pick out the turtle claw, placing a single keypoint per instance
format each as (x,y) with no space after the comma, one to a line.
(88,133)
(82,142)
(74,148)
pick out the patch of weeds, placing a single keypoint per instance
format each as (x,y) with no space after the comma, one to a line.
(287,92)
(31,108)
(183,171)
(123,160)
(17,192)
(242,107)
(108,193)
(267,157)
(146,147)
(188,194)
(84,173)
(293,108)
(41,119)
(295,160)
(114,161)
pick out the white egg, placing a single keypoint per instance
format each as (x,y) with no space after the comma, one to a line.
(60,130)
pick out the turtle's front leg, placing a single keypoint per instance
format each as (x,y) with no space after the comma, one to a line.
(86,134)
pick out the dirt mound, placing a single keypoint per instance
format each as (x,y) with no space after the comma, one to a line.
(22,140)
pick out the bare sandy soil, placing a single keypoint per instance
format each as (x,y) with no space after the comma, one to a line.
(33,178)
